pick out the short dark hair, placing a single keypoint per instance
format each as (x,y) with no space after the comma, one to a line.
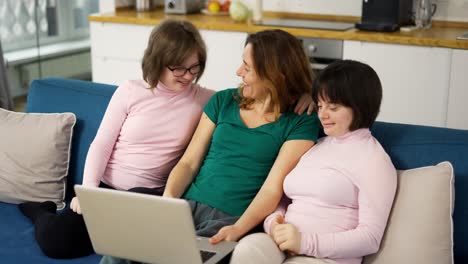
(352,84)
(171,43)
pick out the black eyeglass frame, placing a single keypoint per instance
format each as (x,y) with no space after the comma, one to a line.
(177,71)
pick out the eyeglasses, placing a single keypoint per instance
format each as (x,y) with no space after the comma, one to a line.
(181,71)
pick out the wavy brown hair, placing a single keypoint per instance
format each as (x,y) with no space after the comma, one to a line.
(280,62)
(170,44)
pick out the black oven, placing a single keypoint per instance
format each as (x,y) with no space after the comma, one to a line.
(322,52)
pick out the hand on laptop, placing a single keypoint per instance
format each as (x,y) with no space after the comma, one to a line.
(228,233)
(75,205)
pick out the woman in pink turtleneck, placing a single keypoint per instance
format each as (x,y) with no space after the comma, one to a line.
(338,198)
(145,130)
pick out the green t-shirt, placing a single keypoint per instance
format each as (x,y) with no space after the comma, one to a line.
(240,158)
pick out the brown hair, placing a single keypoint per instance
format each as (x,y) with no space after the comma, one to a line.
(352,84)
(171,43)
(281,63)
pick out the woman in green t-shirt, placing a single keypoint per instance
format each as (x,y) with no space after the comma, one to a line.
(248,139)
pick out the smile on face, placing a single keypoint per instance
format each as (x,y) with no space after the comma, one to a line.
(179,83)
(253,86)
(336,119)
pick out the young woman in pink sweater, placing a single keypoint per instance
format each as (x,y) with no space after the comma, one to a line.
(145,130)
(338,197)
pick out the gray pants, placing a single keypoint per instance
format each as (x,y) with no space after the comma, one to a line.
(206,219)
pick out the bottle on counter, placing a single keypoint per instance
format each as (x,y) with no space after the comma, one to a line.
(144,5)
(257,11)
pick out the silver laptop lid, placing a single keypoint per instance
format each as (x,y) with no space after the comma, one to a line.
(139,227)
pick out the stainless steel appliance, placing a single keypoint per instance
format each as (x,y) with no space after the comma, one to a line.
(385,15)
(425,9)
(322,52)
(305,23)
(182,6)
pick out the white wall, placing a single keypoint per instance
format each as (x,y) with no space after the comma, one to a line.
(452,10)
(106,6)
(328,7)
(448,10)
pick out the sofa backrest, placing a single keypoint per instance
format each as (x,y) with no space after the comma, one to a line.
(409,146)
(87,100)
(412,146)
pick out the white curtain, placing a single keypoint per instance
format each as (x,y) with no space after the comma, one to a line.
(5,99)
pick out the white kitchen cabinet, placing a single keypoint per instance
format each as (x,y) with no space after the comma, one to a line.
(415,80)
(114,70)
(117,50)
(457,114)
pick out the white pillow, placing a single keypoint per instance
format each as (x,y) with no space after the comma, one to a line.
(420,228)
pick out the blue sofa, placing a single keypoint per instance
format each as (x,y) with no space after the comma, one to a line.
(409,146)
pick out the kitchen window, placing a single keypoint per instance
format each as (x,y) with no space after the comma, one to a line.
(31,23)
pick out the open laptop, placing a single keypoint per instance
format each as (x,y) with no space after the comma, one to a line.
(145,228)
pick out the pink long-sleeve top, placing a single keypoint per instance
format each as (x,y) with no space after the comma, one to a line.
(339,197)
(143,134)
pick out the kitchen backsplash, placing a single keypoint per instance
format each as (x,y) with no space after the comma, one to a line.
(447,10)
(328,7)
(452,10)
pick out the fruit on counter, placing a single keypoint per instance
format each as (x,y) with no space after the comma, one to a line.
(238,11)
(225,6)
(213,6)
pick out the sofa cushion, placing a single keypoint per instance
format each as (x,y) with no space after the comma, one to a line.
(420,227)
(34,156)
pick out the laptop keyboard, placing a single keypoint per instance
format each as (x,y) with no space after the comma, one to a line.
(206,255)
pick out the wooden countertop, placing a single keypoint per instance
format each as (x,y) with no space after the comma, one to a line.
(442,34)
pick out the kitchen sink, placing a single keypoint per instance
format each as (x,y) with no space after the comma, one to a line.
(464,36)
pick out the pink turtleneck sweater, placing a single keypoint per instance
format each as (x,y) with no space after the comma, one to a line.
(339,197)
(143,134)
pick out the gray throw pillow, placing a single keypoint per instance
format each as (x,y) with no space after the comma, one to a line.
(34,156)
